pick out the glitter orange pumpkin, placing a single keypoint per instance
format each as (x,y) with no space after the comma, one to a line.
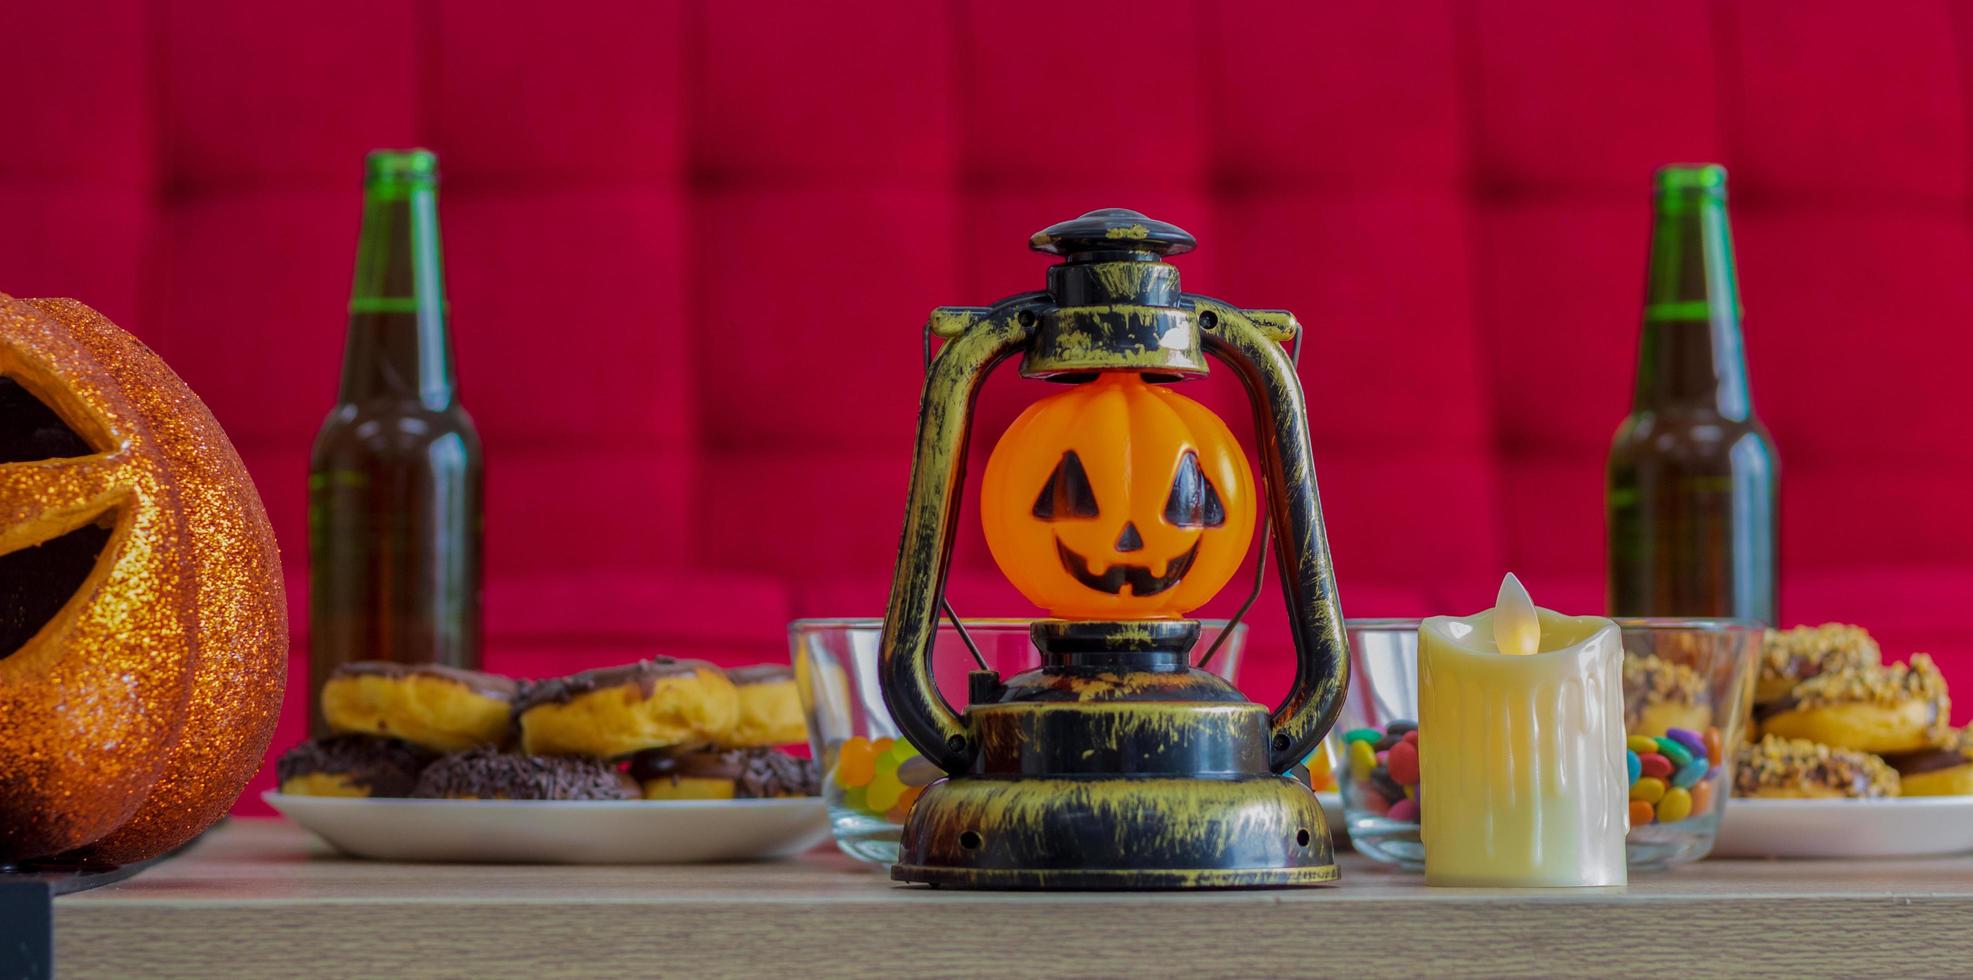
(143,634)
(1117,499)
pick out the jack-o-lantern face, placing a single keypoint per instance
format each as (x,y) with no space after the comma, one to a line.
(1117,499)
(143,635)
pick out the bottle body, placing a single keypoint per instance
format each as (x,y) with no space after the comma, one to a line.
(1693,477)
(395,477)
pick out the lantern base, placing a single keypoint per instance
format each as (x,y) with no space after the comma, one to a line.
(1116,833)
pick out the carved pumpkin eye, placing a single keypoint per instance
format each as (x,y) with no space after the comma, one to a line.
(1067,494)
(1193,501)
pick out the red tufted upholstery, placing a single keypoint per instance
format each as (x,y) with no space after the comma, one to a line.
(691,245)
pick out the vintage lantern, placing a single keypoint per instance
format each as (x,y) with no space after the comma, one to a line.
(143,634)
(1119,505)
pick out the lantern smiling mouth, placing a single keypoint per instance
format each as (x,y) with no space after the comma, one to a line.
(1138,577)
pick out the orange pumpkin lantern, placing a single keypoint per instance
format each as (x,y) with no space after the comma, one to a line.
(1117,499)
(143,633)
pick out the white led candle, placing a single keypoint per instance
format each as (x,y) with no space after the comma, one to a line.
(1521,715)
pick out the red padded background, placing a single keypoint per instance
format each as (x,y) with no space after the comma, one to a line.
(691,245)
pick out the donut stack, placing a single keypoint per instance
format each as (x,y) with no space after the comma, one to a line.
(662,729)
(1835,721)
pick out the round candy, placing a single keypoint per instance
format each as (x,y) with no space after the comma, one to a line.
(1702,797)
(1654,765)
(1713,745)
(1403,762)
(1404,811)
(1676,806)
(1632,764)
(1650,790)
(1690,773)
(1363,758)
(1640,813)
(1679,754)
(1362,735)
(1688,738)
(1411,736)
(1641,744)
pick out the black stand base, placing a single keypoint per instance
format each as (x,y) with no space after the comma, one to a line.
(27,911)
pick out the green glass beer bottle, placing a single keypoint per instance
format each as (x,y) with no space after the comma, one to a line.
(394,484)
(1693,477)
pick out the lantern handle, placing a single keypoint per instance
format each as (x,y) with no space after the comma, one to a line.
(1251,343)
(976,341)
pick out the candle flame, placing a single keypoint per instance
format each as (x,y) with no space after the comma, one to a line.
(1516,630)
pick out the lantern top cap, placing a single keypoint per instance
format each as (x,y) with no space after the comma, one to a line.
(1112,230)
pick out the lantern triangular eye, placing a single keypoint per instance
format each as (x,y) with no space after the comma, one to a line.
(1067,493)
(30,430)
(1193,501)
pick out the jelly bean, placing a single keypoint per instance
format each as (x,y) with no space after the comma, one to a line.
(1690,773)
(1362,735)
(1676,806)
(853,799)
(1713,745)
(1679,754)
(1403,762)
(1702,797)
(1640,813)
(1631,763)
(1372,800)
(1641,744)
(856,762)
(883,792)
(883,745)
(1649,790)
(1362,759)
(1688,738)
(1411,792)
(1403,811)
(1411,736)
(1654,765)
(902,808)
(1400,727)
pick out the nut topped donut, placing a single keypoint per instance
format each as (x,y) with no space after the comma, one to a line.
(1944,771)
(1783,768)
(1789,657)
(770,708)
(486,774)
(351,765)
(1894,708)
(444,709)
(723,774)
(616,711)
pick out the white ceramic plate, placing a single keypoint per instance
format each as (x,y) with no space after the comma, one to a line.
(1908,827)
(561,831)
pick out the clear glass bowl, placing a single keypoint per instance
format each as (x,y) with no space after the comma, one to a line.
(870,774)
(1684,680)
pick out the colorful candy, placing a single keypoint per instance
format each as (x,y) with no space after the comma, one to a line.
(1679,754)
(1690,739)
(1674,775)
(1676,806)
(1671,776)
(1383,770)
(1691,773)
(877,778)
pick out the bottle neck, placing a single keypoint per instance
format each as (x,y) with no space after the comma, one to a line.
(1691,354)
(398,349)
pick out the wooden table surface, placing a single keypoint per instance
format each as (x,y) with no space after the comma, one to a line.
(261,898)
